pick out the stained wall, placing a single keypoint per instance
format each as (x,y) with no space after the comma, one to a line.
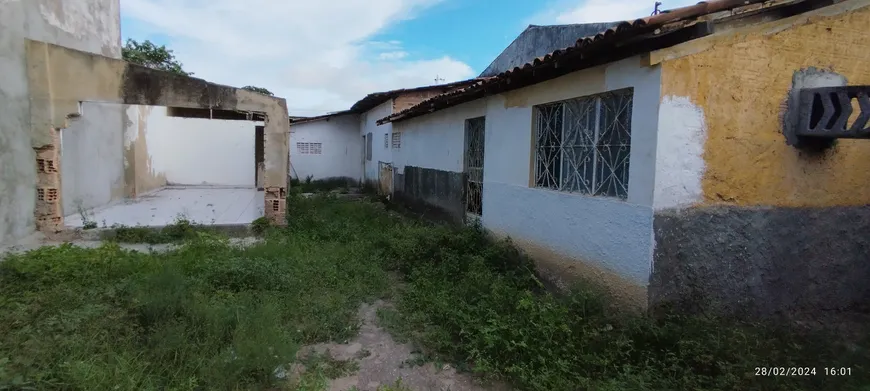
(746,224)
(88,25)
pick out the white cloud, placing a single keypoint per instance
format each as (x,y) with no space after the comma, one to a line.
(592,11)
(398,55)
(318,55)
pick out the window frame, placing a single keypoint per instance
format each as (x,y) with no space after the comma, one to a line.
(396,140)
(617,105)
(309,148)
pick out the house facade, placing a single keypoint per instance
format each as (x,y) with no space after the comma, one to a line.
(652,159)
(350,143)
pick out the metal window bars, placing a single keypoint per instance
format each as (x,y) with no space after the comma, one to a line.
(583,145)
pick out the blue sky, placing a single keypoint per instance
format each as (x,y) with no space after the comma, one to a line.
(324,56)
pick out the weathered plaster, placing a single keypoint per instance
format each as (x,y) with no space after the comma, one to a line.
(92,158)
(761,262)
(21,20)
(59,78)
(741,83)
(679,154)
(141,176)
(80,19)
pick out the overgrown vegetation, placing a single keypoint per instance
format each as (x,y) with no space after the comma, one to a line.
(479,305)
(152,56)
(310,185)
(259,90)
(180,230)
(212,316)
(205,316)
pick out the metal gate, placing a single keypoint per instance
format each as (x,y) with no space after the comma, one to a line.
(474,154)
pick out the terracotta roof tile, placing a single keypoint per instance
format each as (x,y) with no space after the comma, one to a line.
(587,48)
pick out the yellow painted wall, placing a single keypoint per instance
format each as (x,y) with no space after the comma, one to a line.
(741,80)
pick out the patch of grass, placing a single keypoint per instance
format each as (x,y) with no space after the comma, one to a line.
(310,185)
(474,301)
(327,366)
(260,225)
(180,230)
(205,316)
(211,316)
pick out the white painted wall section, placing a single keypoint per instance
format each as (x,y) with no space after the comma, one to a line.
(91,159)
(610,233)
(87,25)
(340,148)
(679,153)
(196,151)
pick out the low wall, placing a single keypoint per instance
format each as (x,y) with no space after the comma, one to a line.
(442,192)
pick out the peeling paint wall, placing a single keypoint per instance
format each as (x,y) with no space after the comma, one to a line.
(341,148)
(89,25)
(772,231)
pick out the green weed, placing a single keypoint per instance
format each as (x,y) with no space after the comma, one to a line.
(204,316)
(211,316)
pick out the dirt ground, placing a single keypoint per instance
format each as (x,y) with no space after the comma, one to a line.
(382,361)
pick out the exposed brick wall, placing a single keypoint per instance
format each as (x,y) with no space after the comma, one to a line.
(276,205)
(49,214)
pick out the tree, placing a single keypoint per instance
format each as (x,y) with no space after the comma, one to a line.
(259,90)
(152,56)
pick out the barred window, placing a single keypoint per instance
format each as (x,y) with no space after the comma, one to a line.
(583,145)
(397,140)
(386,140)
(309,148)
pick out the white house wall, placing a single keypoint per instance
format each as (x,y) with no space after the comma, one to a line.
(604,238)
(612,233)
(368,123)
(341,148)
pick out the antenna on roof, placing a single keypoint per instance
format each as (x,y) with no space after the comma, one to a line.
(438,79)
(656,11)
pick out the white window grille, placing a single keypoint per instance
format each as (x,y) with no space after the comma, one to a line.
(583,145)
(397,140)
(386,140)
(309,148)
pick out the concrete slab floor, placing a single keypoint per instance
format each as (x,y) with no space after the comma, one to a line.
(199,204)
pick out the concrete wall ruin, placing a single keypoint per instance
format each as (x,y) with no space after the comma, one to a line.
(60,78)
(88,25)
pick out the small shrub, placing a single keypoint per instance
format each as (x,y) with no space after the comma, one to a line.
(260,225)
